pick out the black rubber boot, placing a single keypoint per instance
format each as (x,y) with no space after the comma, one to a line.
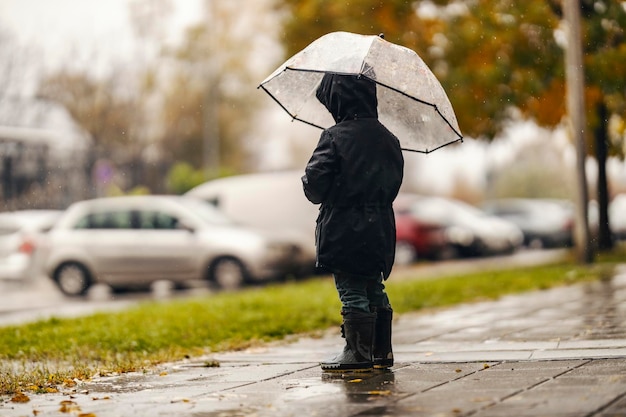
(358,330)
(383,353)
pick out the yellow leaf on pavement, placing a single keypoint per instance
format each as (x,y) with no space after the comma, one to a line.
(68,406)
(381,392)
(20,397)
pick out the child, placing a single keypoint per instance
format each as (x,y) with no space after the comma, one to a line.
(355,173)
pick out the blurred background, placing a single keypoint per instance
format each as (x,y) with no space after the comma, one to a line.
(102,99)
(158,96)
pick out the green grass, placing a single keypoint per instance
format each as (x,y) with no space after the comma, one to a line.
(46,355)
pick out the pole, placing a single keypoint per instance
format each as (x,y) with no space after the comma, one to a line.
(576,123)
(211,145)
(211,130)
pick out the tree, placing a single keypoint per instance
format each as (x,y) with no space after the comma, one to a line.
(605,51)
(531,75)
(103,108)
(212,95)
(495,56)
(574,74)
(397,19)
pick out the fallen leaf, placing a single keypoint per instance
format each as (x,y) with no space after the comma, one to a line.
(20,397)
(458,370)
(181,400)
(356,380)
(485,366)
(68,406)
(163,373)
(69,382)
(382,392)
(103,398)
(480,399)
(86,415)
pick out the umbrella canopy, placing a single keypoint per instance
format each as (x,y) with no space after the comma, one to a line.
(411,101)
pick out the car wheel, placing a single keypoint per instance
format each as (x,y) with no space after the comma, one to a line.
(73,279)
(405,253)
(449,252)
(228,273)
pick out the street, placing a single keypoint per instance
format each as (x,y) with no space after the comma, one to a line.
(40,299)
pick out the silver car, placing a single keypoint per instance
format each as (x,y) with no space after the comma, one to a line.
(133,241)
(279,204)
(545,223)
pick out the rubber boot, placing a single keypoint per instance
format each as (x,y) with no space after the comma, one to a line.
(358,330)
(383,353)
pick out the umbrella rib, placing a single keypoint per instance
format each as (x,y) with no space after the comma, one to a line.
(449,124)
(427,151)
(423,102)
(293,117)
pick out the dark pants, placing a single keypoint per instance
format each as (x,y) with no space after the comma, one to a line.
(358,293)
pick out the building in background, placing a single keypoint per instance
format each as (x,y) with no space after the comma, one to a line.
(43,155)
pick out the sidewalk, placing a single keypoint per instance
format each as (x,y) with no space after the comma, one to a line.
(560,352)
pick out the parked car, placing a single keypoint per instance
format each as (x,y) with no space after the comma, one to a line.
(416,239)
(271,201)
(469,231)
(21,234)
(133,241)
(419,240)
(546,223)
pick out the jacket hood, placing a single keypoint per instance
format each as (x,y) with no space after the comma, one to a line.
(348,97)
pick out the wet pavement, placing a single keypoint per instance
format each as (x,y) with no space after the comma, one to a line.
(559,352)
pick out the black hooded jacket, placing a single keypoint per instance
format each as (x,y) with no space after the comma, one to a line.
(355,173)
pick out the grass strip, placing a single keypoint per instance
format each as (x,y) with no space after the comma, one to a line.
(50,354)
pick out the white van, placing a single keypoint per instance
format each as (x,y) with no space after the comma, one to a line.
(273,201)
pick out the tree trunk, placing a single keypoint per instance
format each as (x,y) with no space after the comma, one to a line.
(576,114)
(605,241)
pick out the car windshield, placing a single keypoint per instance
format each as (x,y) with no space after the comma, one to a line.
(207,212)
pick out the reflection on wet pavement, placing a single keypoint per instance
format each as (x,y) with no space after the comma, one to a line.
(550,319)
(603,314)
(367,386)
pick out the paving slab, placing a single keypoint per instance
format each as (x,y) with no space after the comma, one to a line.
(559,352)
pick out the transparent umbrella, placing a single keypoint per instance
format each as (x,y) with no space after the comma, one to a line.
(411,101)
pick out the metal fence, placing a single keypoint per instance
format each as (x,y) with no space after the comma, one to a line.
(36,174)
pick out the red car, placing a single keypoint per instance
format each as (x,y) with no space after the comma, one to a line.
(418,240)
